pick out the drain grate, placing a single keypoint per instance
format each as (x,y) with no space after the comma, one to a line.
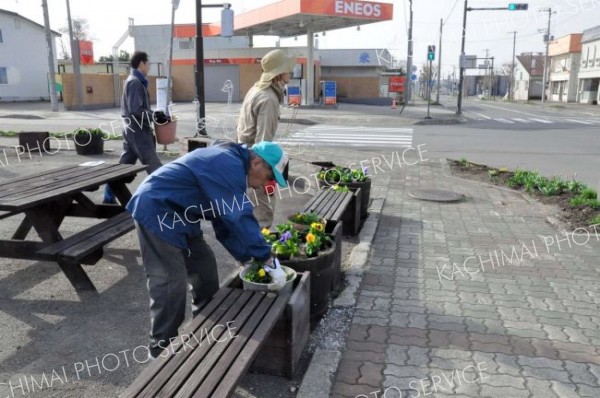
(436,195)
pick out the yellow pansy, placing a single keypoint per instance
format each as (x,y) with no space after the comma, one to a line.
(310,238)
(266,231)
(261,273)
(317,226)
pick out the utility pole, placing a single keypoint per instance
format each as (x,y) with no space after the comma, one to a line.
(511,94)
(75,60)
(485,78)
(461,74)
(49,42)
(201,121)
(544,79)
(439,80)
(408,88)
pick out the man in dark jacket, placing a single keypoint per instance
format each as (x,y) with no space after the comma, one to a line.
(138,139)
(207,184)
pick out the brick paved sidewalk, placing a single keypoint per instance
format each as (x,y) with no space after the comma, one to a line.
(485,327)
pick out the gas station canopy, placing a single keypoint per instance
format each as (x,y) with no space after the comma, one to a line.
(288,18)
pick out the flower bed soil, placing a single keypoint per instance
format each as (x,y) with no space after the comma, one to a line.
(573,216)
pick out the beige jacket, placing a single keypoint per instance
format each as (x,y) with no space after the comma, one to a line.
(259,115)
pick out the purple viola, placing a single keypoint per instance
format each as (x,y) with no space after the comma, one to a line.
(285,236)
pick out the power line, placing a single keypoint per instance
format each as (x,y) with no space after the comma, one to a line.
(450,13)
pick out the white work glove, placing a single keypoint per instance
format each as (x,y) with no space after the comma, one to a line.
(277,274)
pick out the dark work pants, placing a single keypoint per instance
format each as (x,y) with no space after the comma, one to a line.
(136,145)
(171,271)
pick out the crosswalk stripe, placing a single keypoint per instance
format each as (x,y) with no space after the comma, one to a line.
(578,121)
(521,120)
(504,121)
(354,136)
(541,120)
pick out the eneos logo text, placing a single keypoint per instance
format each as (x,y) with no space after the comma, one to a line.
(357,8)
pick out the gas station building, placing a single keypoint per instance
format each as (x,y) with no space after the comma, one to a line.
(358,73)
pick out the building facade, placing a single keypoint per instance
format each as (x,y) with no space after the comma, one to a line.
(23,59)
(528,77)
(565,54)
(589,71)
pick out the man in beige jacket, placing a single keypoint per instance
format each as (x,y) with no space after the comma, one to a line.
(259,118)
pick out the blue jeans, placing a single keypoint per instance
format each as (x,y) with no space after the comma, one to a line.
(136,145)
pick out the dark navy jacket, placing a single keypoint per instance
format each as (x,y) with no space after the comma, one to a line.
(206,184)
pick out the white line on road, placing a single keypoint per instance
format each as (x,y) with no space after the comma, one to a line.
(541,120)
(480,115)
(516,119)
(579,121)
(504,121)
(510,110)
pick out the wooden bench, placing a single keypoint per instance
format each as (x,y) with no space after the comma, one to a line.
(193,366)
(86,247)
(337,207)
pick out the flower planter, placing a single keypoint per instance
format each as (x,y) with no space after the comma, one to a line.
(166,132)
(323,273)
(269,287)
(302,227)
(88,144)
(31,140)
(365,187)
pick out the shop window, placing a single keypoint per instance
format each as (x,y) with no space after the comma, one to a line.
(3,75)
(1,39)
(186,44)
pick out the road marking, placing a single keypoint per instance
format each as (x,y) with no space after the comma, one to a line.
(579,121)
(504,121)
(480,115)
(516,119)
(354,136)
(541,120)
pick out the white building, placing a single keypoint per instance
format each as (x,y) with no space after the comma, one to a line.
(528,76)
(565,53)
(23,58)
(589,72)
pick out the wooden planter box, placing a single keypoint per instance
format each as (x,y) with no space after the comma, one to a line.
(188,144)
(31,140)
(281,351)
(365,188)
(88,144)
(322,273)
(335,229)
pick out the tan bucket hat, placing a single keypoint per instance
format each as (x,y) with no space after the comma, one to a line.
(275,63)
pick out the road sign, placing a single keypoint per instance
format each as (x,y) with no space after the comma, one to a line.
(468,61)
(413,77)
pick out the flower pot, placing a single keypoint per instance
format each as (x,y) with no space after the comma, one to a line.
(165,133)
(365,187)
(269,287)
(322,274)
(302,227)
(87,143)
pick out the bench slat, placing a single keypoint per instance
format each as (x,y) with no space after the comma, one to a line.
(244,359)
(85,242)
(149,378)
(206,376)
(342,206)
(340,202)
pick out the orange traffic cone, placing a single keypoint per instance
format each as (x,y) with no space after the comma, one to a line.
(394,103)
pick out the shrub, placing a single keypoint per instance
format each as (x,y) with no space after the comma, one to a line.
(588,193)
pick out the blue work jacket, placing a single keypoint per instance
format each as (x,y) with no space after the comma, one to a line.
(207,184)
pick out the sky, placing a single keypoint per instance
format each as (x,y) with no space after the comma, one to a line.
(486,30)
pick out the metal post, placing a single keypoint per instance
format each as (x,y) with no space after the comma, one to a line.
(170,65)
(309,97)
(462,70)
(75,59)
(49,42)
(546,66)
(201,106)
(492,81)
(408,88)
(511,94)
(429,81)
(439,80)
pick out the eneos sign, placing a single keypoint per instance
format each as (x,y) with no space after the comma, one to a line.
(349,9)
(357,8)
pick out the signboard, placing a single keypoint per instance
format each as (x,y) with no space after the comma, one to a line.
(468,61)
(349,8)
(294,96)
(86,52)
(397,84)
(329,92)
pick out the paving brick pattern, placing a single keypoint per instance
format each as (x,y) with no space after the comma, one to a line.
(526,329)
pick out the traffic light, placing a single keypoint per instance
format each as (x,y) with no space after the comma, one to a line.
(518,6)
(430,53)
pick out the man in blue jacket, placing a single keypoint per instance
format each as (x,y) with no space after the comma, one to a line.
(207,184)
(138,138)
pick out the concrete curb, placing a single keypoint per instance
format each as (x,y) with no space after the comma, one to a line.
(437,122)
(317,380)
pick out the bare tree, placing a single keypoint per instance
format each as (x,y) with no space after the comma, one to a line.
(81,31)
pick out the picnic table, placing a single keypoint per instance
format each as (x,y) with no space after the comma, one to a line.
(45,199)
